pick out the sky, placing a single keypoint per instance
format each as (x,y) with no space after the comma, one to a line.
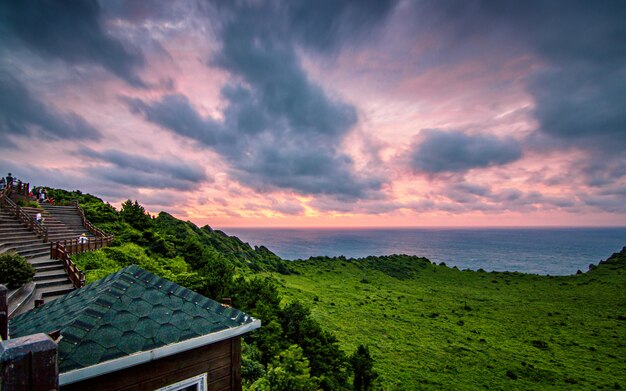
(323,113)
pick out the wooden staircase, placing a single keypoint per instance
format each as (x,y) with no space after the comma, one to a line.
(63,224)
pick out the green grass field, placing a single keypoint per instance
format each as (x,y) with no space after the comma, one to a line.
(436,327)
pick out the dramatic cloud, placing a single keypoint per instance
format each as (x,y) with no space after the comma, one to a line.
(437,151)
(580,96)
(280,130)
(579,83)
(70,32)
(23,115)
(139,171)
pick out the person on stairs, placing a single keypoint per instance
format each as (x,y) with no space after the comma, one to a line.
(82,239)
(38,218)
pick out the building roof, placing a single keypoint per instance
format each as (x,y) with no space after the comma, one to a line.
(127,313)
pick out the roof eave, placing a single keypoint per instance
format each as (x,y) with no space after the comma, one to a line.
(117,364)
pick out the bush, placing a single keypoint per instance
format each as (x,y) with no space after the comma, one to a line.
(14,270)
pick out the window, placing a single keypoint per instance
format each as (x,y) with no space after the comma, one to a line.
(196,383)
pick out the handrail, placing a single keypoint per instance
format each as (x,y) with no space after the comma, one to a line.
(22,188)
(59,251)
(29,221)
(90,227)
(63,250)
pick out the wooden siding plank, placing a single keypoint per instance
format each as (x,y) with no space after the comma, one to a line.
(214,359)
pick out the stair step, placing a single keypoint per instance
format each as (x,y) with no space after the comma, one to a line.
(35,253)
(17,235)
(44,260)
(11,225)
(17,295)
(56,267)
(52,282)
(22,300)
(55,290)
(50,274)
(21,240)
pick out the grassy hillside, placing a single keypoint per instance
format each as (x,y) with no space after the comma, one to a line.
(436,327)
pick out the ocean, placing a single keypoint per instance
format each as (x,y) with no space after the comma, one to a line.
(548,251)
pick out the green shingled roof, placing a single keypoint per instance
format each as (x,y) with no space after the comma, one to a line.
(126,312)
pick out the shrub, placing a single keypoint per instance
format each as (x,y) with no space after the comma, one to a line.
(540,344)
(14,270)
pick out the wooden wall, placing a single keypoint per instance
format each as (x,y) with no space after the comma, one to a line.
(222,362)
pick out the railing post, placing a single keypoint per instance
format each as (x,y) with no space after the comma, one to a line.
(4,314)
(29,363)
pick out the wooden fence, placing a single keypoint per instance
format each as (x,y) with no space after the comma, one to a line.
(39,229)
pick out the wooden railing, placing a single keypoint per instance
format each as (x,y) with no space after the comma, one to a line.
(63,250)
(28,221)
(75,246)
(90,227)
(58,251)
(21,188)
(17,188)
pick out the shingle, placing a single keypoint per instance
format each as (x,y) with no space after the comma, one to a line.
(168,334)
(131,342)
(147,327)
(107,336)
(88,353)
(200,326)
(180,320)
(141,308)
(135,291)
(111,354)
(176,302)
(125,321)
(152,296)
(160,314)
(191,309)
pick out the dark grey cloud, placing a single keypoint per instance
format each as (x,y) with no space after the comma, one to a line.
(280,129)
(141,171)
(446,151)
(292,208)
(578,89)
(325,25)
(72,32)
(176,113)
(580,97)
(23,115)
(139,179)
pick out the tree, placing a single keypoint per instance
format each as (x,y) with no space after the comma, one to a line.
(135,215)
(363,366)
(218,276)
(320,347)
(289,372)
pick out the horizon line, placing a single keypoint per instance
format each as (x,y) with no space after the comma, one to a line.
(428,227)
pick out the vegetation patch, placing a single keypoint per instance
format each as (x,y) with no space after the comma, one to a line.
(15,270)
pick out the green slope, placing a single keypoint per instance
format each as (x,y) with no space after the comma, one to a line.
(441,328)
